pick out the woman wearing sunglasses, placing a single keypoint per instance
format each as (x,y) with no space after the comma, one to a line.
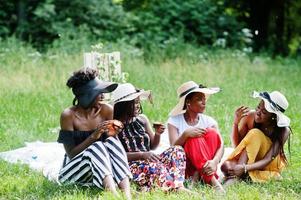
(259,137)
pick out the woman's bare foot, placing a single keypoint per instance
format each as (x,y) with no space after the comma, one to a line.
(217,186)
(230,181)
(124,186)
(188,191)
(194,180)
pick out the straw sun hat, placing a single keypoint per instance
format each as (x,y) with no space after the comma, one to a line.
(275,102)
(187,88)
(127,92)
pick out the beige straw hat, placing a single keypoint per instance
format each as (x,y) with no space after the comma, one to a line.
(127,92)
(187,88)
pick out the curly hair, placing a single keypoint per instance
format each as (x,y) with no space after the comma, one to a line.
(81,77)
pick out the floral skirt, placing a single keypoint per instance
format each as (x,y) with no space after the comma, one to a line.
(168,173)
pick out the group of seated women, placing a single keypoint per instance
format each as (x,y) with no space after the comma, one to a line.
(109,145)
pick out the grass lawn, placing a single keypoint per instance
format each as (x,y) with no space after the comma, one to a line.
(33,93)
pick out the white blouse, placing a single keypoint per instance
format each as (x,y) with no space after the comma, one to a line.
(180,123)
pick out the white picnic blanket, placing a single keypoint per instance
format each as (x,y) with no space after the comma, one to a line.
(47,157)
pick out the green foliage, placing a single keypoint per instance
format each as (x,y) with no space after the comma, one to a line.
(150,24)
(105,19)
(196,21)
(8,18)
(130,5)
(44,21)
(72,39)
(294,24)
(42,17)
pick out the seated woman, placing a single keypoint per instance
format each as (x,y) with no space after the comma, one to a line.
(91,148)
(258,137)
(149,169)
(197,133)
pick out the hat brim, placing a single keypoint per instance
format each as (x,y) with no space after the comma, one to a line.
(282,119)
(178,109)
(106,87)
(143,95)
(103,87)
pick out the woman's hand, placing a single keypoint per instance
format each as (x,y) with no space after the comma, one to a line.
(159,128)
(194,132)
(237,170)
(240,113)
(209,168)
(114,127)
(150,156)
(101,128)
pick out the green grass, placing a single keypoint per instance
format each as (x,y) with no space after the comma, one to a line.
(33,93)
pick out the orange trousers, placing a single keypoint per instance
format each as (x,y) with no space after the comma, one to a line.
(199,151)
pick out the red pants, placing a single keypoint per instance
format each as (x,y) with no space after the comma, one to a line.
(199,151)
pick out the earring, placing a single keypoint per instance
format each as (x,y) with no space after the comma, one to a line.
(273,118)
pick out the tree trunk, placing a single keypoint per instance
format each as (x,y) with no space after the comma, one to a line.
(21,18)
(279,12)
(259,20)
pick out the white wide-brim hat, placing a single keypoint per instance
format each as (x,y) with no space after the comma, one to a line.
(275,102)
(187,88)
(127,92)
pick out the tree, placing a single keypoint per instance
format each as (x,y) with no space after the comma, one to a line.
(271,22)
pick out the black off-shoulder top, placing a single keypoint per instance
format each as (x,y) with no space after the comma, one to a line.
(75,137)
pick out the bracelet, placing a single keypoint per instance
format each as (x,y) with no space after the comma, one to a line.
(245,168)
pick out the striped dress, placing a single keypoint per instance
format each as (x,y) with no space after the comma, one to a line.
(167,173)
(91,166)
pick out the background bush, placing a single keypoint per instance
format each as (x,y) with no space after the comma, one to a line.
(195,21)
(153,24)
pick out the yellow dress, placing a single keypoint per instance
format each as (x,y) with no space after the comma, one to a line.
(257,145)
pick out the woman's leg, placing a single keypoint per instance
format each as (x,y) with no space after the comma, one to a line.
(120,167)
(174,161)
(147,174)
(124,186)
(228,179)
(200,150)
(91,167)
(109,184)
(229,164)
(217,185)
(243,158)
(253,147)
